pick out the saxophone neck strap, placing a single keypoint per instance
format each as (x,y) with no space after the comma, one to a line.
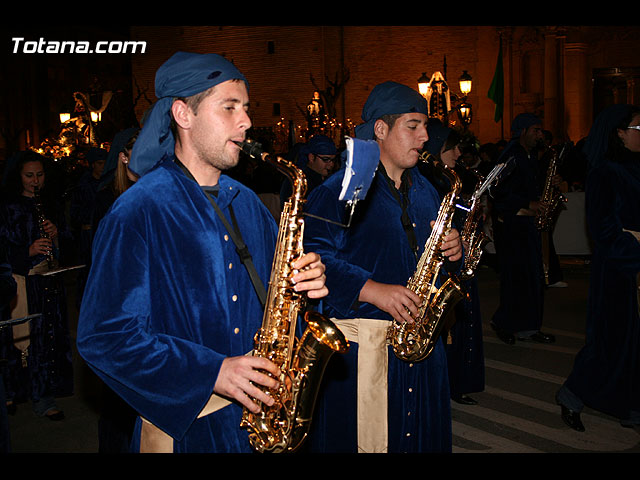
(236,236)
(402,197)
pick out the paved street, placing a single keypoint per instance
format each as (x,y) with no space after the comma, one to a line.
(516,412)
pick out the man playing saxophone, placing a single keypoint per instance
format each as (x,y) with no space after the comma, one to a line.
(371,400)
(518,241)
(171,337)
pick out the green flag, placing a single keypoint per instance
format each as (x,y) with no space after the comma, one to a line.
(496,90)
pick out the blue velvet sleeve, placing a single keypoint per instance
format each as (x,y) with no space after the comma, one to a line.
(166,378)
(612,205)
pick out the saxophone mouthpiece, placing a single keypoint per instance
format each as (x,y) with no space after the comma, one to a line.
(251,148)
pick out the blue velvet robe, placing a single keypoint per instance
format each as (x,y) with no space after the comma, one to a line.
(518,246)
(49,371)
(465,353)
(606,373)
(375,246)
(8,289)
(81,208)
(167,300)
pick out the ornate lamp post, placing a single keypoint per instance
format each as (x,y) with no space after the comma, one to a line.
(423,84)
(464,109)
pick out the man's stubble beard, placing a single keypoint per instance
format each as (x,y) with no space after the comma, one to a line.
(218,158)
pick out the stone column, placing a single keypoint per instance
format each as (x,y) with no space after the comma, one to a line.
(551,83)
(577,97)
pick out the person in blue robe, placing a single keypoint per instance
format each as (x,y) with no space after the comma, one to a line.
(464,347)
(606,371)
(172,336)
(316,159)
(81,207)
(516,201)
(117,418)
(38,352)
(8,290)
(370,400)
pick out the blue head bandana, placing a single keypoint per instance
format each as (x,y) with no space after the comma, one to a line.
(183,75)
(318,144)
(438,133)
(118,144)
(96,154)
(522,122)
(388,98)
(597,142)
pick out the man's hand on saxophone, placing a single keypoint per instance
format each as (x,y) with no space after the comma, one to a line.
(452,245)
(309,276)
(397,300)
(238,377)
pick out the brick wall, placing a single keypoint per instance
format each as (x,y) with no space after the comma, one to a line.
(373,54)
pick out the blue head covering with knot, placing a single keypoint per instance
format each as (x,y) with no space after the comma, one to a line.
(438,133)
(96,154)
(118,144)
(597,142)
(183,75)
(389,98)
(319,145)
(522,122)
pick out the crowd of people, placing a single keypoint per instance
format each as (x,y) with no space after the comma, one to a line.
(169,221)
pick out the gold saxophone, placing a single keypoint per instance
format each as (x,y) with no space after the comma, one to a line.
(472,235)
(37,200)
(284,426)
(551,197)
(414,341)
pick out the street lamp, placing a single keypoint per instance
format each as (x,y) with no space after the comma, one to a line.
(423,84)
(465,83)
(464,109)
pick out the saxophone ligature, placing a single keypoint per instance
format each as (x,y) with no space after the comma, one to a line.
(284,426)
(415,341)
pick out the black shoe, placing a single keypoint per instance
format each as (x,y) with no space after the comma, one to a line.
(542,337)
(506,337)
(570,417)
(464,400)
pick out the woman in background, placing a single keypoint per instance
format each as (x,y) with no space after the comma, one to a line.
(606,372)
(38,352)
(117,418)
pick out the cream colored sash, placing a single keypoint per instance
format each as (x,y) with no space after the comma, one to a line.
(373,362)
(635,234)
(154,440)
(20,309)
(22,331)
